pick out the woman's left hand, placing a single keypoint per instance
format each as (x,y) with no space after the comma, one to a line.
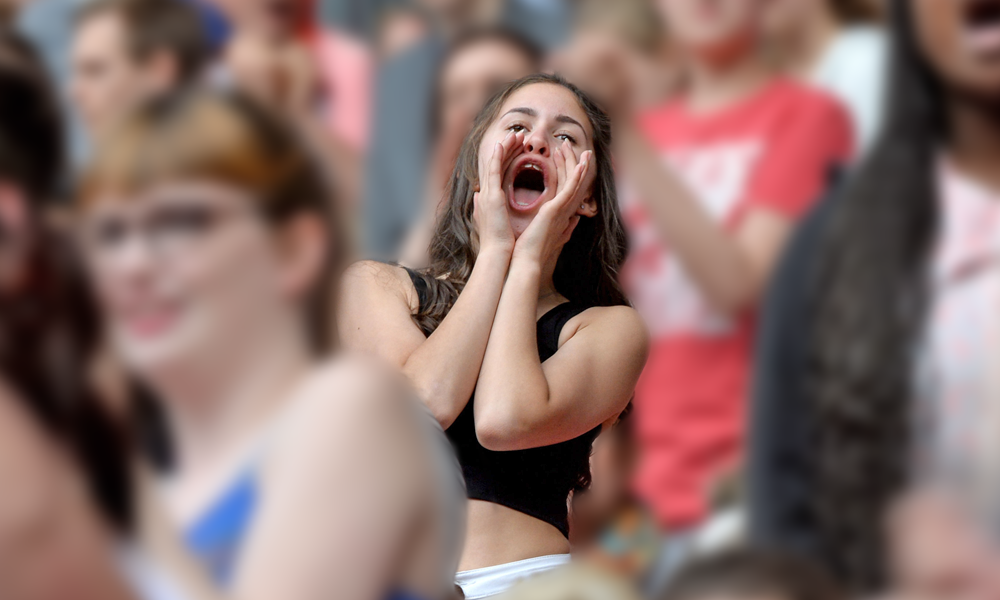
(556,219)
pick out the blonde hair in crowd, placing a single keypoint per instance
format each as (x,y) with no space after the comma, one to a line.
(573,582)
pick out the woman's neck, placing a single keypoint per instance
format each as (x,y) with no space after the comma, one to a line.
(803,49)
(217,406)
(974,147)
(546,284)
(715,86)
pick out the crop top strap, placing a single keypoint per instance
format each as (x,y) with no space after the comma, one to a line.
(551,324)
(419,284)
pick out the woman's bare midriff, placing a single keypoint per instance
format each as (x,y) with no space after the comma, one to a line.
(498,535)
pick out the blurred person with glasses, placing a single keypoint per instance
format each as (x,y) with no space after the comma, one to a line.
(207,229)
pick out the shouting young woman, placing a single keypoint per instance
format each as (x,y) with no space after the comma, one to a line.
(518,336)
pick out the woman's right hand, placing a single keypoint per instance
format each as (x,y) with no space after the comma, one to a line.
(490,201)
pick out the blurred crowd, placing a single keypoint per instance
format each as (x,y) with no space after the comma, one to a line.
(514,299)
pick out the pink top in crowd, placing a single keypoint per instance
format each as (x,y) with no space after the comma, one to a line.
(773,152)
(958,383)
(346,68)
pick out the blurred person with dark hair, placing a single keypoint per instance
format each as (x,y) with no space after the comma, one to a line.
(67,510)
(749,574)
(402,151)
(208,233)
(877,373)
(839,46)
(478,64)
(126,52)
(717,179)
(517,336)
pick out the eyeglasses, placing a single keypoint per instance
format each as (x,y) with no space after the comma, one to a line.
(168,230)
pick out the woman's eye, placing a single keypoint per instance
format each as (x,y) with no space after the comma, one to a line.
(516,128)
(107,233)
(189,220)
(567,137)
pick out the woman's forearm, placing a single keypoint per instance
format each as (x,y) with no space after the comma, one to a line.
(512,384)
(712,256)
(444,369)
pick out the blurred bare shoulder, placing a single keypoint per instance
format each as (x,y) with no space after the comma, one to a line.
(370,277)
(349,386)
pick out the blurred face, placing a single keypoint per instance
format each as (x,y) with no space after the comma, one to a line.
(784,16)
(713,28)
(961,40)
(181,270)
(472,76)
(105,80)
(278,18)
(548,115)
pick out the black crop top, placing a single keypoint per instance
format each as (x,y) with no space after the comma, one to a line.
(537,481)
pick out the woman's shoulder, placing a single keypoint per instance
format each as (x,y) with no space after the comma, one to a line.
(372,278)
(620,321)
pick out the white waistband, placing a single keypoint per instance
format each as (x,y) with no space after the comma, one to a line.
(491,581)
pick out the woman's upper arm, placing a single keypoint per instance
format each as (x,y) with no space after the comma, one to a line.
(590,380)
(374,314)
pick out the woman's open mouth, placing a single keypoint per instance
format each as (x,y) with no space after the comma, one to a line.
(982,27)
(529,183)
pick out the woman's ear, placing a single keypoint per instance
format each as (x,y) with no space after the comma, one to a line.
(304,246)
(588,208)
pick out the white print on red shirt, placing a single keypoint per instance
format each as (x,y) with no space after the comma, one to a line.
(718,175)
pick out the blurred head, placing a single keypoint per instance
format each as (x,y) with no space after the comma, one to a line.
(205,225)
(125,52)
(714,30)
(273,18)
(575,582)
(548,110)
(960,42)
(785,17)
(751,575)
(477,66)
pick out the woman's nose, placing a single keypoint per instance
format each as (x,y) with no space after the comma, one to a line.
(536,143)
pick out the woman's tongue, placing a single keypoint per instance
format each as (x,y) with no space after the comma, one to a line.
(525,197)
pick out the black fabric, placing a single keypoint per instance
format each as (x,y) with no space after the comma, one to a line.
(781,467)
(537,481)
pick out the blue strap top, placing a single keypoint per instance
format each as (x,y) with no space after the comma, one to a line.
(217,537)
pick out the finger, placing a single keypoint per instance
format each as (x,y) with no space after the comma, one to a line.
(513,149)
(561,173)
(494,178)
(571,161)
(570,192)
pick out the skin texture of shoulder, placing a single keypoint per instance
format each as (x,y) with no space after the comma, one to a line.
(343,491)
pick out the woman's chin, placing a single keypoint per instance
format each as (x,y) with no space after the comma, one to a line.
(519,223)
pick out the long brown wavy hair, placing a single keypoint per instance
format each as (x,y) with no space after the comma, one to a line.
(587,270)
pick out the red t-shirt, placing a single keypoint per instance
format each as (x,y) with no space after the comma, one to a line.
(774,152)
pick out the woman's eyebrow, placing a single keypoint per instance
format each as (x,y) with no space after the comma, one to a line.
(523,110)
(570,120)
